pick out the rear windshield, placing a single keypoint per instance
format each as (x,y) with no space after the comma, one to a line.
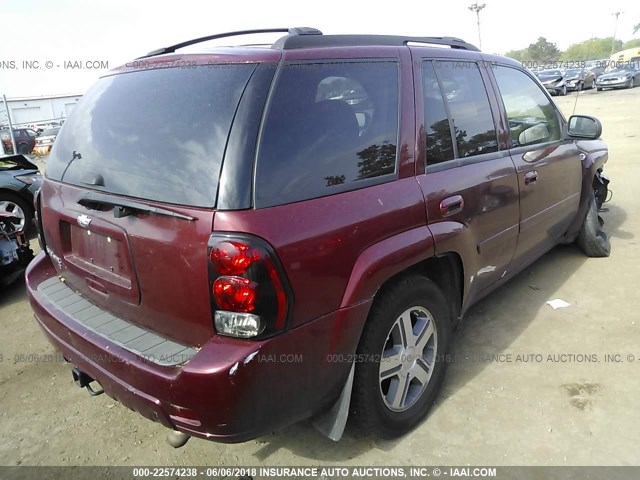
(154,134)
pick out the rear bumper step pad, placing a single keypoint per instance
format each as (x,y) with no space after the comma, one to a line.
(140,341)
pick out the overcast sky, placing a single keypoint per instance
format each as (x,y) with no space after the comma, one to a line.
(116,31)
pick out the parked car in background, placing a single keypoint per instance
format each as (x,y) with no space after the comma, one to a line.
(624,76)
(19,181)
(553,81)
(323,245)
(45,141)
(597,70)
(579,79)
(25,139)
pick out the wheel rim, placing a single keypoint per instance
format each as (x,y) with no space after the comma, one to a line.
(408,359)
(14,209)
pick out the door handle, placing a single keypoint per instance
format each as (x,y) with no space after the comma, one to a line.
(451,205)
(530,177)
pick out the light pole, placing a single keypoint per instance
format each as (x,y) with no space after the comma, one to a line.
(615,30)
(474,7)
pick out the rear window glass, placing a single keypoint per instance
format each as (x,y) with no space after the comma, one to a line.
(330,127)
(154,134)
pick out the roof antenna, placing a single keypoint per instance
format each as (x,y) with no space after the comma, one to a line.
(575,104)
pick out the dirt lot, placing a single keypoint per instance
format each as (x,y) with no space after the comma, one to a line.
(572,408)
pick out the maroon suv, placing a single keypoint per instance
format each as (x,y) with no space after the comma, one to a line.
(240,239)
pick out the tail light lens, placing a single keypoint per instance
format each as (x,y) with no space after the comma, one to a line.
(231,257)
(37,203)
(237,294)
(250,295)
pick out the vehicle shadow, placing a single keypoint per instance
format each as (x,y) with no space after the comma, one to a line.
(490,327)
(13,293)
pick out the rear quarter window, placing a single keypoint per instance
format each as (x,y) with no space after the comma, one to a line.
(330,127)
(154,134)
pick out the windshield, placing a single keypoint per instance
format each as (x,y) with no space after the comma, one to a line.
(550,73)
(573,72)
(154,134)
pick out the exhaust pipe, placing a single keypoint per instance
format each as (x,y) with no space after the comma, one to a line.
(177,439)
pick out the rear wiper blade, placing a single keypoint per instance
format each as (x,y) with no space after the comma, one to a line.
(123,207)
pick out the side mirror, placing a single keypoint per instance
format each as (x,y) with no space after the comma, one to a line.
(583,126)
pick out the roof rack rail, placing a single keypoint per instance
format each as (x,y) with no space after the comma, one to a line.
(453,42)
(292,42)
(290,31)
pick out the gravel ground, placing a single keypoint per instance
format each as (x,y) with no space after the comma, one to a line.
(567,406)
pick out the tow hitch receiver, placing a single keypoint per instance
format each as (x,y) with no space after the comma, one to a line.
(83,380)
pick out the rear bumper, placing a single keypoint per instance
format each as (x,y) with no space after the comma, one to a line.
(231,390)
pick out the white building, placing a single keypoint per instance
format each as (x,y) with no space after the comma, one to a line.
(30,110)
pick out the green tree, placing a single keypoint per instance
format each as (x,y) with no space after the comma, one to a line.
(592,49)
(543,51)
(518,55)
(634,43)
(377,160)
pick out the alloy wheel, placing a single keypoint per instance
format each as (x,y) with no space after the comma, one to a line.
(15,210)
(408,358)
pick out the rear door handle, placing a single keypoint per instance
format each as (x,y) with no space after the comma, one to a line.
(452,205)
(531,177)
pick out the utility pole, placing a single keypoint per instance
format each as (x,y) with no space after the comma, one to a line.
(474,7)
(615,30)
(13,139)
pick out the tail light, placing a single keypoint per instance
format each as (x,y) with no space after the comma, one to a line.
(37,203)
(250,295)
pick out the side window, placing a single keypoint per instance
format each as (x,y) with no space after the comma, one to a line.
(469,108)
(330,127)
(439,145)
(532,117)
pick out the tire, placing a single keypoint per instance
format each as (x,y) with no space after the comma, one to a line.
(13,204)
(23,149)
(374,406)
(563,92)
(631,83)
(598,89)
(593,240)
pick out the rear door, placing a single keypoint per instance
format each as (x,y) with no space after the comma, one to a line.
(549,167)
(469,184)
(130,194)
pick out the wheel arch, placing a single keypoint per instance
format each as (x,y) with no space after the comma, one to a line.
(412,252)
(446,271)
(591,163)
